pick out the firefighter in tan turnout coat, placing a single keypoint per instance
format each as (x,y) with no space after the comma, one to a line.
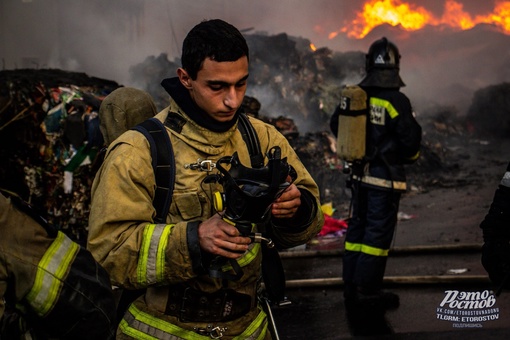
(171,261)
(50,287)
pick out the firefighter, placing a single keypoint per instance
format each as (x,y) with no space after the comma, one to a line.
(122,109)
(393,138)
(496,236)
(170,262)
(50,287)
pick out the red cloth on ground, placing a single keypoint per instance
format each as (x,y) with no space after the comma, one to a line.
(332,225)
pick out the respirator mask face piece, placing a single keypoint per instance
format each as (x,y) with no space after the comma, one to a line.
(250,192)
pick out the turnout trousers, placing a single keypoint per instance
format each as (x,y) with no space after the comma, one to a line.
(369,236)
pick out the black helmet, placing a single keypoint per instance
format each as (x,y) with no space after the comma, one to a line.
(382,65)
(382,54)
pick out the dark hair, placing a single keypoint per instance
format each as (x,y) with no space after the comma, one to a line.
(215,39)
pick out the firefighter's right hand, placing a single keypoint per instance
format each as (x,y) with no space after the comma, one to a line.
(496,261)
(221,238)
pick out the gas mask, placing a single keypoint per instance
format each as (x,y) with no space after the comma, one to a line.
(246,200)
(248,193)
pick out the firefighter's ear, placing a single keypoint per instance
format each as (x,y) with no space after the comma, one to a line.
(184,78)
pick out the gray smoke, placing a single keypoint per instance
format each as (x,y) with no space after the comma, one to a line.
(105,38)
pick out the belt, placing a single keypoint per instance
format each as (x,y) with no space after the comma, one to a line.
(191,305)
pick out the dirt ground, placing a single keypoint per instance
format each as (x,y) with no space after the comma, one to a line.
(450,211)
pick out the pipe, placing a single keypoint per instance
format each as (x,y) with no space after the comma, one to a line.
(402,280)
(393,251)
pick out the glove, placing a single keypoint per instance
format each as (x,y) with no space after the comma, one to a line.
(496,261)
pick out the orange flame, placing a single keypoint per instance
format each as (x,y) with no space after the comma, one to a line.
(312,47)
(412,17)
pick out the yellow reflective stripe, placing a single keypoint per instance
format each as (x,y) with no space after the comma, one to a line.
(52,269)
(363,248)
(384,183)
(141,325)
(257,330)
(385,104)
(151,260)
(160,261)
(246,259)
(353,246)
(415,157)
(374,251)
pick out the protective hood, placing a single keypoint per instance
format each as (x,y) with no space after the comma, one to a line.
(182,97)
(385,78)
(122,109)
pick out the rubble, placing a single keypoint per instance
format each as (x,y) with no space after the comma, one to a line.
(489,113)
(48,120)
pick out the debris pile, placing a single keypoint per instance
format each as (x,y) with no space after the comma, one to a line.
(49,132)
(489,114)
(287,75)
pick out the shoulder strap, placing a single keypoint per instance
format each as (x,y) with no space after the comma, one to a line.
(162,162)
(252,141)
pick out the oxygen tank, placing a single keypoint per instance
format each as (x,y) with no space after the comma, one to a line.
(352,124)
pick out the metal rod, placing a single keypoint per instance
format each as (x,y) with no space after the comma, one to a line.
(393,251)
(404,280)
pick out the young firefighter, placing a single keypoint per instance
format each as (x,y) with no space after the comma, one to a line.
(50,287)
(172,261)
(393,138)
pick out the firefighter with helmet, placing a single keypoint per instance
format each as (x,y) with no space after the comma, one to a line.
(393,138)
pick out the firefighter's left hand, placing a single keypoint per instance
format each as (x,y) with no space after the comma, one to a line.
(288,203)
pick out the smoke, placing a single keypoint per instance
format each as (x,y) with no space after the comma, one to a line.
(105,38)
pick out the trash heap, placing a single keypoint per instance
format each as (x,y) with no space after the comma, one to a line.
(287,75)
(49,132)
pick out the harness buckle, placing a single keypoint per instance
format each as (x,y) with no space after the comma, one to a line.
(214,333)
(217,332)
(201,165)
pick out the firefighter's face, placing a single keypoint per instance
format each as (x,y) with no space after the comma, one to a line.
(219,88)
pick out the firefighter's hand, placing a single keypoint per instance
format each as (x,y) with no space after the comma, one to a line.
(496,261)
(221,238)
(288,203)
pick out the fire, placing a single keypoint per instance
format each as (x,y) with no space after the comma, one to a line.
(411,17)
(313,47)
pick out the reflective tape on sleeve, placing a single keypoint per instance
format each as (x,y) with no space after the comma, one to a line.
(151,262)
(51,273)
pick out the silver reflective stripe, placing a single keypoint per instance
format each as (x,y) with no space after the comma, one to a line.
(506,179)
(51,272)
(151,262)
(384,183)
(139,330)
